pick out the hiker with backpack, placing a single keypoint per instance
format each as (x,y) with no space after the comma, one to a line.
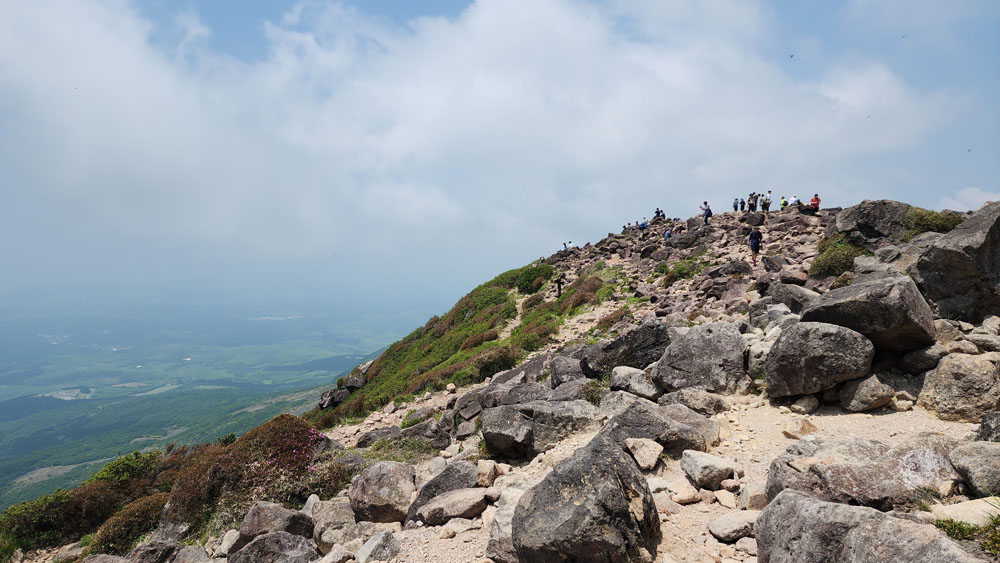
(756,238)
(784,203)
(765,204)
(706,210)
(736,205)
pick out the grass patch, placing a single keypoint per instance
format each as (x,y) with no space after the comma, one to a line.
(919,220)
(836,256)
(594,390)
(406,450)
(683,269)
(987,535)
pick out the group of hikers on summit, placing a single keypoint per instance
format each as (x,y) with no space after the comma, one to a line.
(754,201)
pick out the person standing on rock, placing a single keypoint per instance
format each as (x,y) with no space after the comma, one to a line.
(765,204)
(814,202)
(756,238)
(736,205)
(743,204)
(706,210)
(784,203)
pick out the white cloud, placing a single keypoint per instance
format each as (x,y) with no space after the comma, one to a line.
(967,199)
(517,125)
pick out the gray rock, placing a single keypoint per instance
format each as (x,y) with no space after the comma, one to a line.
(810,357)
(522,393)
(960,270)
(796,528)
(735,525)
(707,428)
(381,493)
(872,224)
(865,394)
(276,547)
(333,398)
(979,464)
(354,381)
(500,547)
(383,546)
(795,297)
(634,381)
(696,399)
(593,506)
(460,503)
(338,554)
(330,518)
(924,359)
(102,558)
(266,517)
(984,342)
(706,470)
(636,348)
(155,551)
(372,436)
(865,472)
(708,356)
(429,432)
(192,554)
(890,311)
(646,420)
(465,429)
(522,431)
(458,475)
(989,428)
(572,390)
(564,369)
(962,387)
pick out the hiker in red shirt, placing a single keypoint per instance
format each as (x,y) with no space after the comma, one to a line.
(814,202)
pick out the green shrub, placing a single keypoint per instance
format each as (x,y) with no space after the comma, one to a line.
(120,533)
(227,439)
(593,390)
(836,256)
(918,221)
(663,268)
(128,466)
(406,450)
(532,278)
(532,301)
(479,338)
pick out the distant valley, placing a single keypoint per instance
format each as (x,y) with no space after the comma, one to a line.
(76,391)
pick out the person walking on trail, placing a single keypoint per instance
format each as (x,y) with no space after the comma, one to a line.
(743,204)
(784,203)
(736,205)
(765,204)
(559,283)
(706,211)
(814,202)
(756,238)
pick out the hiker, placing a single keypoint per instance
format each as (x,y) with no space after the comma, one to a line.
(752,202)
(756,237)
(736,204)
(784,203)
(743,204)
(795,200)
(668,234)
(814,202)
(559,283)
(565,247)
(765,204)
(706,210)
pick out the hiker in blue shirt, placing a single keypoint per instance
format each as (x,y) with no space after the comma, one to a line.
(706,211)
(756,238)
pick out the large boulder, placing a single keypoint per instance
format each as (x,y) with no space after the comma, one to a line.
(500,547)
(457,475)
(696,399)
(708,356)
(872,224)
(866,472)
(795,297)
(525,430)
(979,464)
(962,387)
(635,381)
(865,394)
(563,369)
(888,310)
(460,503)
(636,348)
(265,517)
(331,519)
(382,492)
(643,419)
(706,470)
(333,398)
(383,546)
(429,432)
(960,270)
(593,506)
(797,528)
(276,547)
(810,357)
(372,436)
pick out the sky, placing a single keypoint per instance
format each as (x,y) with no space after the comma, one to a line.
(388,156)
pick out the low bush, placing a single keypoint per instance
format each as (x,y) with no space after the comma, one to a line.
(532,278)
(918,221)
(119,534)
(836,256)
(612,318)
(129,466)
(480,338)
(532,301)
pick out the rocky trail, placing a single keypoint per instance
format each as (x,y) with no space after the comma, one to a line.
(717,411)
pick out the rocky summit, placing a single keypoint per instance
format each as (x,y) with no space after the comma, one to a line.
(645,398)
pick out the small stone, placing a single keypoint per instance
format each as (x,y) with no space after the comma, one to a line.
(706,496)
(657,484)
(796,429)
(731,485)
(747,545)
(450,388)
(805,405)
(390,408)
(486,472)
(664,504)
(726,498)
(646,452)
(447,534)
(734,525)
(753,496)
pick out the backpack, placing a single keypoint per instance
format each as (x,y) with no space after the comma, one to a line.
(708,212)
